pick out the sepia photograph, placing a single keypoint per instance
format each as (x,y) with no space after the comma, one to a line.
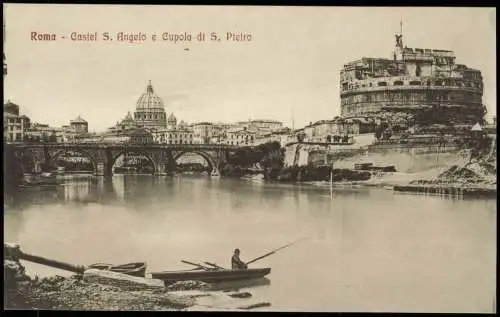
(249,158)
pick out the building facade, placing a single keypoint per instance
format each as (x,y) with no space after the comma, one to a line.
(173,136)
(40,132)
(240,136)
(333,131)
(203,132)
(261,124)
(427,84)
(15,125)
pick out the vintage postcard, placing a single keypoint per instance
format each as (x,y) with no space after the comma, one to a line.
(249,158)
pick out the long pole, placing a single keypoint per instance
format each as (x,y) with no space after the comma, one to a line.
(401,25)
(274,251)
(215,265)
(49,262)
(437,153)
(331,181)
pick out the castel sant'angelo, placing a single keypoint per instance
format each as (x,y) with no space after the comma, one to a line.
(425,85)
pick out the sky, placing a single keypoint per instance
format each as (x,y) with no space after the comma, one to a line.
(289,71)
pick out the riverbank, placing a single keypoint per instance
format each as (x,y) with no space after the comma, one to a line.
(105,290)
(479,176)
(78,292)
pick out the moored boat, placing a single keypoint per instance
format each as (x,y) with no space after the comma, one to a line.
(210,276)
(133,269)
(37,185)
(42,179)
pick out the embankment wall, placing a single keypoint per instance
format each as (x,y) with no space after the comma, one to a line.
(406,159)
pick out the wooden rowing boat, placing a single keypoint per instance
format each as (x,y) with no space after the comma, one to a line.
(133,269)
(211,276)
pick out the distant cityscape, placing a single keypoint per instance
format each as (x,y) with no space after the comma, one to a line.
(418,91)
(150,123)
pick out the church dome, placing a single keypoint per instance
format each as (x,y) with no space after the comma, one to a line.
(149,100)
(128,117)
(172,118)
(78,120)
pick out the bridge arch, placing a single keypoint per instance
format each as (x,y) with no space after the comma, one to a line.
(26,163)
(211,162)
(145,154)
(57,154)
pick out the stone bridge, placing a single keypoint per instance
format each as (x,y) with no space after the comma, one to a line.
(103,156)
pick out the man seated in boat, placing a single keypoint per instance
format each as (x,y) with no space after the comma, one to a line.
(236,263)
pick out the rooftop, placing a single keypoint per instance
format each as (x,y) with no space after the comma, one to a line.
(202,123)
(78,120)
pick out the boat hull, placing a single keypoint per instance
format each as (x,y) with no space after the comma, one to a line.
(215,276)
(134,269)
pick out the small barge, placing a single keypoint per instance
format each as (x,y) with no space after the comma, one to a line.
(448,190)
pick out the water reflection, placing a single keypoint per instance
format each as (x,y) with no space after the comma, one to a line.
(368,249)
(76,191)
(241,284)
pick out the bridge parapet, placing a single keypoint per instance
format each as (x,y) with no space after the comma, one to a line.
(104,156)
(131,146)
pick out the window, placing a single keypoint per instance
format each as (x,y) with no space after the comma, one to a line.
(382,83)
(414,83)
(398,83)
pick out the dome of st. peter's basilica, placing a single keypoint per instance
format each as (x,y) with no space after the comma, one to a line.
(150,110)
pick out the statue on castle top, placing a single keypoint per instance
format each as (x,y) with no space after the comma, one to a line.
(399,40)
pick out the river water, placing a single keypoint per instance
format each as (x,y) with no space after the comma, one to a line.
(367,249)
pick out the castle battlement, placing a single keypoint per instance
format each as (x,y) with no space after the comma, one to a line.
(413,77)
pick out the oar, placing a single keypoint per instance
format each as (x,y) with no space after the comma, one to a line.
(274,251)
(198,266)
(214,265)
